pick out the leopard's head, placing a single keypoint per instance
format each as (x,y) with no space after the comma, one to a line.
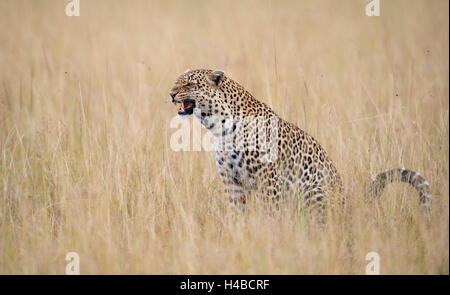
(198,92)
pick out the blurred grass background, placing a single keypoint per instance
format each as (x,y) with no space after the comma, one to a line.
(85,160)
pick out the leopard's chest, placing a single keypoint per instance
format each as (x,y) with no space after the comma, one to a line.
(234,167)
(230,164)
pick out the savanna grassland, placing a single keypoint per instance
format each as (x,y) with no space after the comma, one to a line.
(85,157)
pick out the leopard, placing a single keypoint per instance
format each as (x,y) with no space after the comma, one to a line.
(258,151)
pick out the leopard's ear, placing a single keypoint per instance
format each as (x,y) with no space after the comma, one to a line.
(215,78)
(188,70)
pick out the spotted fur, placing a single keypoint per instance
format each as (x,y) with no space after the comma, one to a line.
(299,166)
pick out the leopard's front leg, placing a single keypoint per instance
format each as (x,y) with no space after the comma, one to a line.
(231,174)
(235,194)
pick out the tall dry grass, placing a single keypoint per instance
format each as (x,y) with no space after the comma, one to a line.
(85,160)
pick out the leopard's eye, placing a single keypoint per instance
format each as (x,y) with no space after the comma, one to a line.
(190,84)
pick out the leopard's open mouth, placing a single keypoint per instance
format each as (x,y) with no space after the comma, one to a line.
(185,107)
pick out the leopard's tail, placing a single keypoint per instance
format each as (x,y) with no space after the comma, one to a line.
(403,175)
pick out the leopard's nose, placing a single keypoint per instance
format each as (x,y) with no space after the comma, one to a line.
(173,94)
